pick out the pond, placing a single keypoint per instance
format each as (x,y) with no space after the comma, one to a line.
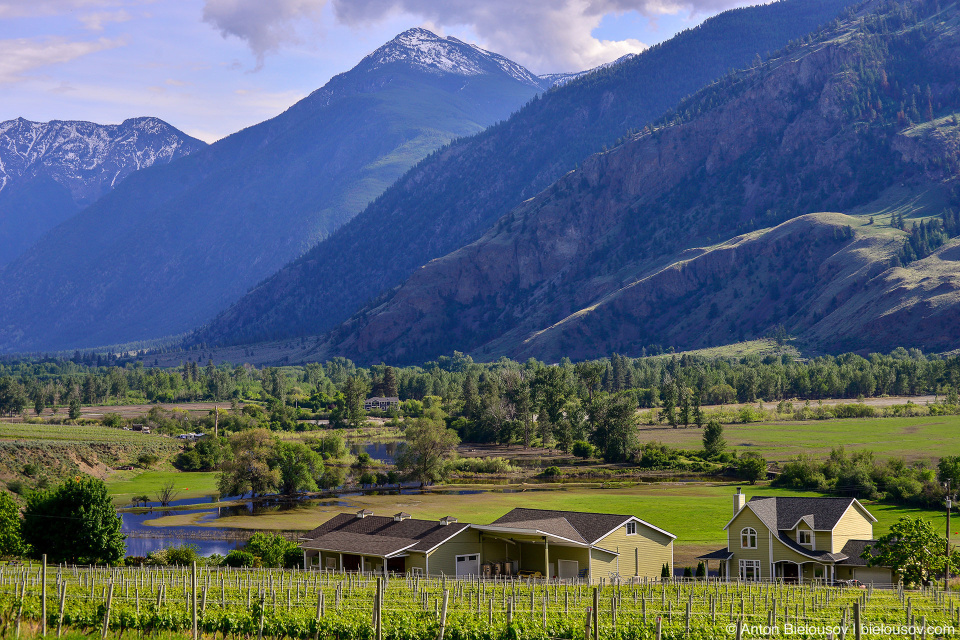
(383,451)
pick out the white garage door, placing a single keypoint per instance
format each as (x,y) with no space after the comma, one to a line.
(876,575)
(468,565)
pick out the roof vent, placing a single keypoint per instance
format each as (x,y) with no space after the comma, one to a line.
(444,521)
(363,513)
(398,517)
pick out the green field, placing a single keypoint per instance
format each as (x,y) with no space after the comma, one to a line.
(195,486)
(694,512)
(918,438)
(77,433)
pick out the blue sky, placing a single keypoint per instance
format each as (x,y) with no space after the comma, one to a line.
(212,67)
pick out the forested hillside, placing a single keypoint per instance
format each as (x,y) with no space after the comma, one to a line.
(634,248)
(173,245)
(452,197)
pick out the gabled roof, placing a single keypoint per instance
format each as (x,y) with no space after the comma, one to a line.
(853,549)
(572,525)
(783,514)
(379,535)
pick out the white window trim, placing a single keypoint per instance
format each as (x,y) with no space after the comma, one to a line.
(630,525)
(416,571)
(755,564)
(809,535)
(752,534)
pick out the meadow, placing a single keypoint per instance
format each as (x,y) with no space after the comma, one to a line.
(185,602)
(914,438)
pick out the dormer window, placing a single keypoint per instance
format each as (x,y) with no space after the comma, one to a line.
(748,538)
(804,536)
(631,528)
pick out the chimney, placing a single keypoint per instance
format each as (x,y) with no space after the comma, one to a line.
(400,517)
(739,500)
(444,521)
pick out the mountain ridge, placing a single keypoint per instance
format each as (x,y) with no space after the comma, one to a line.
(452,197)
(51,170)
(172,245)
(619,254)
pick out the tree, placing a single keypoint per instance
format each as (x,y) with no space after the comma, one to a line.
(713,442)
(697,410)
(167,493)
(948,470)
(752,467)
(354,393)
(914,550)
(11,528)
(271,548)
(427,448)
(390,383)
(74,408)
(299,466)
(614,425)
(75,523)
(249,470)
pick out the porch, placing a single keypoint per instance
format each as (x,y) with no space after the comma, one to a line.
(520,552)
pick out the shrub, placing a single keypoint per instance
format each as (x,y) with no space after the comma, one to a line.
(293,558)
(551,472)
(238,558)
(687,572)
(148,459)
(112,420)
(701,570)
(582,449)
(752,467)
(483,465)
(134,561)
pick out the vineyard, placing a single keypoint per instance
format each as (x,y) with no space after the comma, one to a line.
(229,603)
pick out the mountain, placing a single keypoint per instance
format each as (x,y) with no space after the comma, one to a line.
(704,229)
(172,245)
(51,170)
(560,79)
(451,198)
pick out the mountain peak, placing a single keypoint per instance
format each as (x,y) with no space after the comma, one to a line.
(427,51)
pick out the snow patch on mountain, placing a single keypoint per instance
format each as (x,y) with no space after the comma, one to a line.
(427,51)
(87,158)
(560,79)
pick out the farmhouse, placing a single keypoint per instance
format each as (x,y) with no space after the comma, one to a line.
(380,404)
(534,542)
(798,539)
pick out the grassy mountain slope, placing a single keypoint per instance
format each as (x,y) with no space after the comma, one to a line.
(627,251)
(452,197)
(173,245)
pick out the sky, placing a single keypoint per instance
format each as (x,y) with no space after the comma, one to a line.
(213,67)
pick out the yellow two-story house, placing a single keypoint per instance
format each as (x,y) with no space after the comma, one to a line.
(798,539)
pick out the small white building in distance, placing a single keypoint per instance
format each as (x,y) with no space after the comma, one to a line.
(380,404)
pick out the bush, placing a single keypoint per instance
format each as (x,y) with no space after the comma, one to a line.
(112,420)
(687,572)
(181,555)
(148,459)
(367,478)
(483,465)
(701,570)
(293,558)
(582,449)
(551,472)
(238,558)
(752,467)
(134,561)
(271,548)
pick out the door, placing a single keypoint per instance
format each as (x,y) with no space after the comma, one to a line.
(468,565)
(568,569)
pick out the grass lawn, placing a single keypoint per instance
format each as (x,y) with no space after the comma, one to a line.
(195,485)
(694,512)
(926,437)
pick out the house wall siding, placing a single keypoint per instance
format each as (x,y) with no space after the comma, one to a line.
(416,561)
(443,560)
(854,525)
(602,565)
(642,554)
(747,518)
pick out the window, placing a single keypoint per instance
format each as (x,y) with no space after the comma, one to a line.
(631,528)
(416,571)
(750,570)
(804,536)
(748,538)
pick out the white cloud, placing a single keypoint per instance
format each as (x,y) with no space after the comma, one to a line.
(265,25)
(96,21)
(31,8)
(545,35)
(20,55)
